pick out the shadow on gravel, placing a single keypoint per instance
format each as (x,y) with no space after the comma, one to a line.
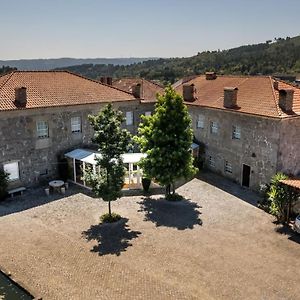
(31,198)
(112,238)
(292,235)
(228,186)
(182,214)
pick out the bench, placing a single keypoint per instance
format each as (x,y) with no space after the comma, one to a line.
(16,190)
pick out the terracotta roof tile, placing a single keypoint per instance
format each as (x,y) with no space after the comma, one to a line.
(149,88)
(256,94)
(292,182)
(56,88)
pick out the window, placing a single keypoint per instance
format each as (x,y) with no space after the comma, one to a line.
(211,162)
(228,167)
(148,113)
(236,132)
(129,118)
(76,124)
(214,127)
(12,169)
(200,122)
(42,129)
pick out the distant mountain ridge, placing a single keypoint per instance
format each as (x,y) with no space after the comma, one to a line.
(280,56)
(53,63)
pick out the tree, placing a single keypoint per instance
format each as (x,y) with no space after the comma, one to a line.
(166,138)
(278,197)
(112,142)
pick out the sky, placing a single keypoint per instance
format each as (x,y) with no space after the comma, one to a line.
(139,28)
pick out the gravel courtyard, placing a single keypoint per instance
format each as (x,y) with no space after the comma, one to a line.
(214,245)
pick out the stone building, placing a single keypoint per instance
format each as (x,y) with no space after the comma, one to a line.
(45,114)
(249,125)
(141,88)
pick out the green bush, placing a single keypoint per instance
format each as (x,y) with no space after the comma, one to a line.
(107,218)
(174,197)
(278,196)
(3,184)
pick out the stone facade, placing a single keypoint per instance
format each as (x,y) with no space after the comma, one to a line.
(38,157)
(266,145)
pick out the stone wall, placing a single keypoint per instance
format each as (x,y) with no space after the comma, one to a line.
(38,158)
(257,147)
(289,150)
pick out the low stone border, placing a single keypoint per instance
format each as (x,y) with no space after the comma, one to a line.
(19,284)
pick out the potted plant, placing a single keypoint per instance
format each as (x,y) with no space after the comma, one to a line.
(146,183)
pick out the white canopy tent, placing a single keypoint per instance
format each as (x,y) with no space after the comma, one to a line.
(88,157)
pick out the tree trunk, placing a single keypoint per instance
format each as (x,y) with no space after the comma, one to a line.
(109,209)
(173,188)
(168,189)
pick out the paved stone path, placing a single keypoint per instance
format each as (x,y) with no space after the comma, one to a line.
(211,246)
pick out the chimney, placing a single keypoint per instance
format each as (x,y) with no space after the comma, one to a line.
(137,90)
(286,97)
(210,75)
(21,96)
(106,80)
(109,80)
(189,92)
(275,85)
(230,97)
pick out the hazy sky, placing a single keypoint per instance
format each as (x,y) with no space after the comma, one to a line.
(140,28)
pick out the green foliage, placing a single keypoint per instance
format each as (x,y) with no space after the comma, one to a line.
(281,56)
(110,218)
(278,197)
(174,197)
(112,142)
(3,184)
(166,138)
(6,69)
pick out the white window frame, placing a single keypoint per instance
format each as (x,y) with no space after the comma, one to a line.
(200,121)
(76,124)
(228,167)
(214,127)
(211,161)
(42,129)
(13,170)
(148,113)
(129,118)
(236,132)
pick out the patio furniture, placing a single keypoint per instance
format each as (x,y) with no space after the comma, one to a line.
(16,190)
(56,185)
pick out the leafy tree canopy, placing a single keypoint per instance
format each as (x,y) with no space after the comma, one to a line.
(272,57)
(166,138)
(112,142)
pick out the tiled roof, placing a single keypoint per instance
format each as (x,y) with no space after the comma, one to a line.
(295,183)
(56,88)
(256,94)
(149,88)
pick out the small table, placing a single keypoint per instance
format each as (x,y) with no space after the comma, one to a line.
(56,184)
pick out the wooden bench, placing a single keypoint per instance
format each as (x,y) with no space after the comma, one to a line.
(16,190)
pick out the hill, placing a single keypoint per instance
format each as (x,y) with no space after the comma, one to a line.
(52,63)
(272,57)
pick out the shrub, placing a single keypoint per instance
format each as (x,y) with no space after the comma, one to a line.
(110,218)
(174,197)
(3,184)
(278,196)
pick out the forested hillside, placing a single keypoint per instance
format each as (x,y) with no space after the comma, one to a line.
(272,57)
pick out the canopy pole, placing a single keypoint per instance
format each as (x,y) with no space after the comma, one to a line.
(74,169)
